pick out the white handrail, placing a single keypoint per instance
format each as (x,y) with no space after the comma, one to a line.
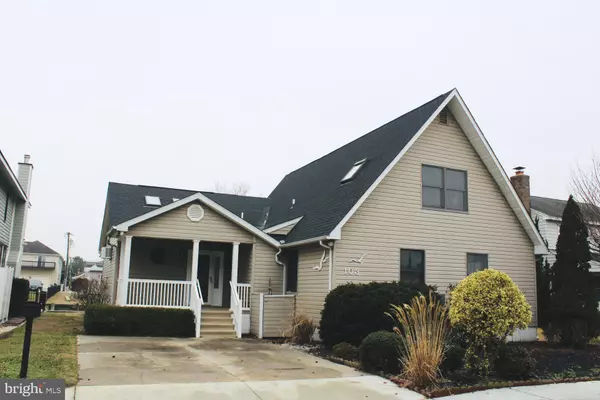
(196,303)
(243,291)
(158,293)
(236,306)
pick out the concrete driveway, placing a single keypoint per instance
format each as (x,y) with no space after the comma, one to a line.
(158,368)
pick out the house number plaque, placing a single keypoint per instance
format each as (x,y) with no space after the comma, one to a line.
(351,271)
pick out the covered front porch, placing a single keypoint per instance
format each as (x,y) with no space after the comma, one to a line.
(193,274)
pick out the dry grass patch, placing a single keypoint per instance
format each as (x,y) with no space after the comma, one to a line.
(53,348)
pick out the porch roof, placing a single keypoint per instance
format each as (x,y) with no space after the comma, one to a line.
(126,202)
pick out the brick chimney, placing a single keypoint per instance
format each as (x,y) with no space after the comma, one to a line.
(520,182)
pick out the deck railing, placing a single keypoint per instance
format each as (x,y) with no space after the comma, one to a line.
(243,291)
(236,308)
(159,293)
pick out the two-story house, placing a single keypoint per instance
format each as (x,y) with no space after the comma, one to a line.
(14,206)
(41,262)
(422,198)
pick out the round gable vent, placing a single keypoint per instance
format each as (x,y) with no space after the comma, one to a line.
(195,212)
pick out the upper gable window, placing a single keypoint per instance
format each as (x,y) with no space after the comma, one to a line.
(153,201)
(444,188)
(354,170)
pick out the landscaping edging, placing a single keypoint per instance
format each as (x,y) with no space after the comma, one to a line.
(492,385)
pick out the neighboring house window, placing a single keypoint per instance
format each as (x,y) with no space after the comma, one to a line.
(444,188)
(476,262)
(3,253)
(6,206)
(412,266)
(291,277)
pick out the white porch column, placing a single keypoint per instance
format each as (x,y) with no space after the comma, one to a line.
(124,272)
(235,255)
(195,255)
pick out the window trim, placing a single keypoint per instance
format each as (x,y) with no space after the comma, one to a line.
(444,189)
(487,256)
(356,167)
(424,262)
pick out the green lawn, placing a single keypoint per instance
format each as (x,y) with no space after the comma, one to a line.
(53,348)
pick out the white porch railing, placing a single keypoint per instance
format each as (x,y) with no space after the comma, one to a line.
(243,291)
(196,303)
(159,293)
(236,307)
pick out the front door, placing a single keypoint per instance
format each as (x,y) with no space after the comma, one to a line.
(215,279)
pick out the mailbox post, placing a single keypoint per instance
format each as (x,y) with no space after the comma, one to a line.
(31,310)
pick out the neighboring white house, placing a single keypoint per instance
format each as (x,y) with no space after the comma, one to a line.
(41,262)
(92,270)
(549,212)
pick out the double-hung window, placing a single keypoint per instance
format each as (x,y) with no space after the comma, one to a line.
(476,262)
(444,188)
(412,266)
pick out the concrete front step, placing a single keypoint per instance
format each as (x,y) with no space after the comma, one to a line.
(217,322)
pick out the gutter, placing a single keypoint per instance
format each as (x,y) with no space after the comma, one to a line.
(306,241)
(282,266)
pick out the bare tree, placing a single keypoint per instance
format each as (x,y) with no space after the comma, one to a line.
(239,188)
(586,184)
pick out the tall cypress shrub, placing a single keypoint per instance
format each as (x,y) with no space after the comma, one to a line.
(573,312)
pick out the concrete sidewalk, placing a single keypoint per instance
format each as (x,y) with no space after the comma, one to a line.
(557,391)
(361,387)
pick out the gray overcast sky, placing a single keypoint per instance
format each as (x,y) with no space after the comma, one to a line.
(183,94)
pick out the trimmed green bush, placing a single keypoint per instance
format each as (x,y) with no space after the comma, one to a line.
(18,295)
(102,319)
(352,311)
(380,352)
(346,351)
(453,358)
(514,362)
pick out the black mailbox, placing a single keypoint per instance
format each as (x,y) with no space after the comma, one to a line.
(31,309)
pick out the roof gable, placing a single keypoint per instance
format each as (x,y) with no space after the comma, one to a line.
(124,226)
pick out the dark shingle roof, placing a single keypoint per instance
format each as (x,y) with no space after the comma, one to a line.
(37,247)
(555,207)
(126,202)
(548,206)
(319,195)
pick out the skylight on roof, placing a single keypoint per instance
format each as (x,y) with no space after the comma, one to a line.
(153,201)
(354,170)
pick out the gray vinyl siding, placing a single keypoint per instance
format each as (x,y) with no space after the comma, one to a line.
(254,313)
(313,285)
(278,315)
(245,264)
(18,233)
(5,226)
(175,224)
(392,218)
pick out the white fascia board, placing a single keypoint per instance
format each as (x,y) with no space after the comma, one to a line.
(306,241)
(282,225)
(485,152)
(13,178)
(337,231)
(124,226)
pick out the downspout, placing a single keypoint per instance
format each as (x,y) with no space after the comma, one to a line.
(330,262)
(282,266)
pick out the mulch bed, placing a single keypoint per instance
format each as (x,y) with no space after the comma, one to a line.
(554,365)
